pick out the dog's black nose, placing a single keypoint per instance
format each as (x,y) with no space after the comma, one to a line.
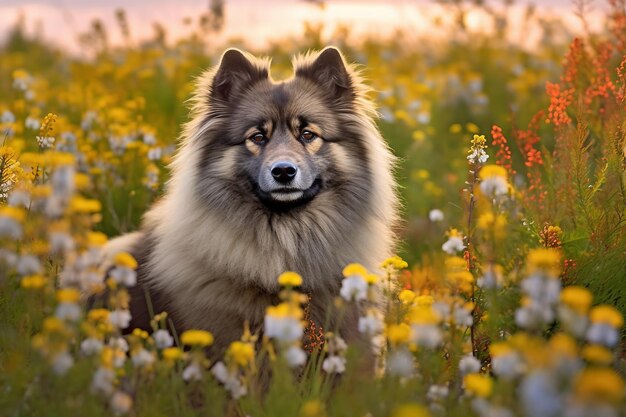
(284,172)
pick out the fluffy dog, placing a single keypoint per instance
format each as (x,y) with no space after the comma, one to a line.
(269,177)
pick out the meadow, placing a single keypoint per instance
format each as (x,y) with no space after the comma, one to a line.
(508,294)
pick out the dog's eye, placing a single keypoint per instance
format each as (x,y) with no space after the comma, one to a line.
(258,138)
(307,136)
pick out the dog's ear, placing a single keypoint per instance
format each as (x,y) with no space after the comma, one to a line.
(329,70)
(235,72)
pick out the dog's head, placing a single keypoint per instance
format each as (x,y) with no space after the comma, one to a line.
(281,144)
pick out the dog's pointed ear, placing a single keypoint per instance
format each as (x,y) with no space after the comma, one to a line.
(329,70)
(235,72)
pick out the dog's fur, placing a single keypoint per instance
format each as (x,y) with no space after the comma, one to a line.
(211,249)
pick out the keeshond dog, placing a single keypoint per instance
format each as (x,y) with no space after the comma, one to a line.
(269,177)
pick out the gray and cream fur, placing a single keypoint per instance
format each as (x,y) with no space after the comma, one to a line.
(270,177)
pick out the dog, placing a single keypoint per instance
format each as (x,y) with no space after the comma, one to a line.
(269,177)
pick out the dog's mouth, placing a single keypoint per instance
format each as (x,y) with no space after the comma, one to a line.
(283,199)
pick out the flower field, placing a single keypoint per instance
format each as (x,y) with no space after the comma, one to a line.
(508,294)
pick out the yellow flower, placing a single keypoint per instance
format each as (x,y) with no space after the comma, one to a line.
(606,314)
(424,300)
(577,298)
(478,384)
(395,262)
(423,314)
(407,296)
(312,408)
(371,279)
(499,349)
(241,353)
(197,338)
(492,171)
(456,263)
(84,205)
(354,269)
(599,384)
(284,310)
(410,410)
(96,238)
(398,333)
(597,354)
(98,315)
(496,223)
(290,279)
(142,334)
(53,325)
(14,213)
(33,282)
(544,259)
(125,259)
(172,354)
(563,345)
(68,295)
(456,128)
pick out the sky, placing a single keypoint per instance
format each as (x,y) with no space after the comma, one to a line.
(258,22)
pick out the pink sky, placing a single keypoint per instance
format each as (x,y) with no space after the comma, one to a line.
(257,21)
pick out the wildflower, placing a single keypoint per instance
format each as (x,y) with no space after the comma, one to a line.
(478,384)
(120,403)
(437,392)
(492,278)
(605,322)
(240,353)
(427,335)
(540,395)
(68,311)
(469,365)
(142,358)
(11,219)
(599,384)
(62,362)
(290,279)
(477,154)
(283,323)
(400,363)
(193,372)
(334,365)
(354,288)
(407,296)
(120,318)
(544,260)
(597,354)
(454,243)
(172,354)
(577,298)
(45,142)
(410,410)
(312,408)
(462,316)
(91,346)
(372,324)
(28,265)
(606,314)
(162,339)
(295,356)
(102,381)
(506,363)
(33,282)
(398,333)
(230,380)
(200,338)
(394,262)
(493,180)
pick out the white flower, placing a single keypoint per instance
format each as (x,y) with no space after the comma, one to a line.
(63,182)
(507,365)
(435,215)
(62,363)
(469,365)
(28,265)
(462,317)
(10,227)
(490,280)
(124,275)
(32,123)
(68,311)
(121,403)
(602,334)
(372,324)
(163,339)
(540,395)
(478,155)
(19,198)
(45,141)
(229,379)
(120,318)
(90,346)
(334,365)
(102,381)
(119,343)
(427,335)
(534,316)
(295,356)
(149,139)
(61,242)
(354,288)
(142,358)
(284,328)
(437,392)
(400,363)
(494,186)
(155,153)
(193,372)
(453,245)
(573,321)
(7,117)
